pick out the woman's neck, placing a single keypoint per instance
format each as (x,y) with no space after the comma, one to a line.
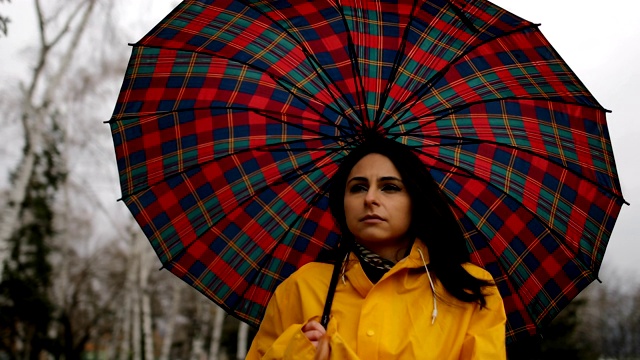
(393,252)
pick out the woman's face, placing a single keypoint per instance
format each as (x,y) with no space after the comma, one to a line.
(377,206)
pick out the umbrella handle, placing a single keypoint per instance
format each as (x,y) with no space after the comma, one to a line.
(324,320)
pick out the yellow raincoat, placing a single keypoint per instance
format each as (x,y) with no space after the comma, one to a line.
(391,319)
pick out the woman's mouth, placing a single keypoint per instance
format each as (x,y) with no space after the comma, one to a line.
(371,218)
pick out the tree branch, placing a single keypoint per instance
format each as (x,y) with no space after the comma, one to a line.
(75,40)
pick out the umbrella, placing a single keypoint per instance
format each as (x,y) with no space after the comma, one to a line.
(233,115)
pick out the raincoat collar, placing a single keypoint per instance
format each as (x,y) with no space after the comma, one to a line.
(413,260)
(359,280)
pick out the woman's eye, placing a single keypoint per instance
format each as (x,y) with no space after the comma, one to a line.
(390,188)
(358,188)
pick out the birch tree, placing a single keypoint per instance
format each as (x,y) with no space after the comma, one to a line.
(612,319)
(95,287)
(127,323)
(243,339)
(49,105)
(172,314)
(132,330)
(146,261)
(40,112)
(216,333)
(27,216)
(200,325)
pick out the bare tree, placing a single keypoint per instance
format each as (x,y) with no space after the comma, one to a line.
(96,284)
(4,22)
(634,323)
(95,289)
(216,333)
(39,104)
(167,340)
(135,298)
(611,321)
(40,171)
(146,261)
(201,323)
(243,338)
(127,327)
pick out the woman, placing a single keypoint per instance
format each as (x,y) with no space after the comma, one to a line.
(405,289)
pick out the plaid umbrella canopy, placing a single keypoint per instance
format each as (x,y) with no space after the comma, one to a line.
(233,115)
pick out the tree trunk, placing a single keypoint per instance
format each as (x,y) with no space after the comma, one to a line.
(171,322)
(204,324)
(131,321)
(197,344)
(243,337)
(35,112)
(116,332)
(10,212)
(124,350)
(145,266)
(136,329)
(216,334)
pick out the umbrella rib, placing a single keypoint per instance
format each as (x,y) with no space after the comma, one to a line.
(269,114)
(464,141)
(315,61)
(502,266)
(263,112)
(471,175)
(504,270)
(440,114)
(264,148)
(279,81)
(460,14)
(269,255)
(291,174)
(395,68)
(552,233)
(357,73)
(406,105)
(508,276)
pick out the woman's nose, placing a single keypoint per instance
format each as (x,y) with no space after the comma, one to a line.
(371,197)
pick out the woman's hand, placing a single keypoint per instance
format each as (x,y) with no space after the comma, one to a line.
(313,331)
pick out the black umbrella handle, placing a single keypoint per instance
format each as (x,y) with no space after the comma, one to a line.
(324,320)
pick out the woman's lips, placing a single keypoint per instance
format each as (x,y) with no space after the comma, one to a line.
(371,219)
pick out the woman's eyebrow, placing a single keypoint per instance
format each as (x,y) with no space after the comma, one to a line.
(358,178)
(383,178)
(390,178)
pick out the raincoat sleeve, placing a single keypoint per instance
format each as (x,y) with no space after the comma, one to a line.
(280,336)
(276,338)
(485,337)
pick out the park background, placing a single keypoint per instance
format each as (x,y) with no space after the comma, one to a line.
(89,285)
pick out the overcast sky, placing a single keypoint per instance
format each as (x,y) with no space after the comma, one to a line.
(600,43)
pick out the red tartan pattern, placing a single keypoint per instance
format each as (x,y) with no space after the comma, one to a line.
(233,116)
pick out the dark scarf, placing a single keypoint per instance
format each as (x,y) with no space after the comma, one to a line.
(374,265)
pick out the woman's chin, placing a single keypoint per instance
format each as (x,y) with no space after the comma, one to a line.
(373,241)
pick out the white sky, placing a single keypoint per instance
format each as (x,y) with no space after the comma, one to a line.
(600,43)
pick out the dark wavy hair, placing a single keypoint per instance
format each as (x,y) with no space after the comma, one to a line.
(432,220)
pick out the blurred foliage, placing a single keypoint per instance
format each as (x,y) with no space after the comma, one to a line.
(4,22)
(559,340)
(26,309)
